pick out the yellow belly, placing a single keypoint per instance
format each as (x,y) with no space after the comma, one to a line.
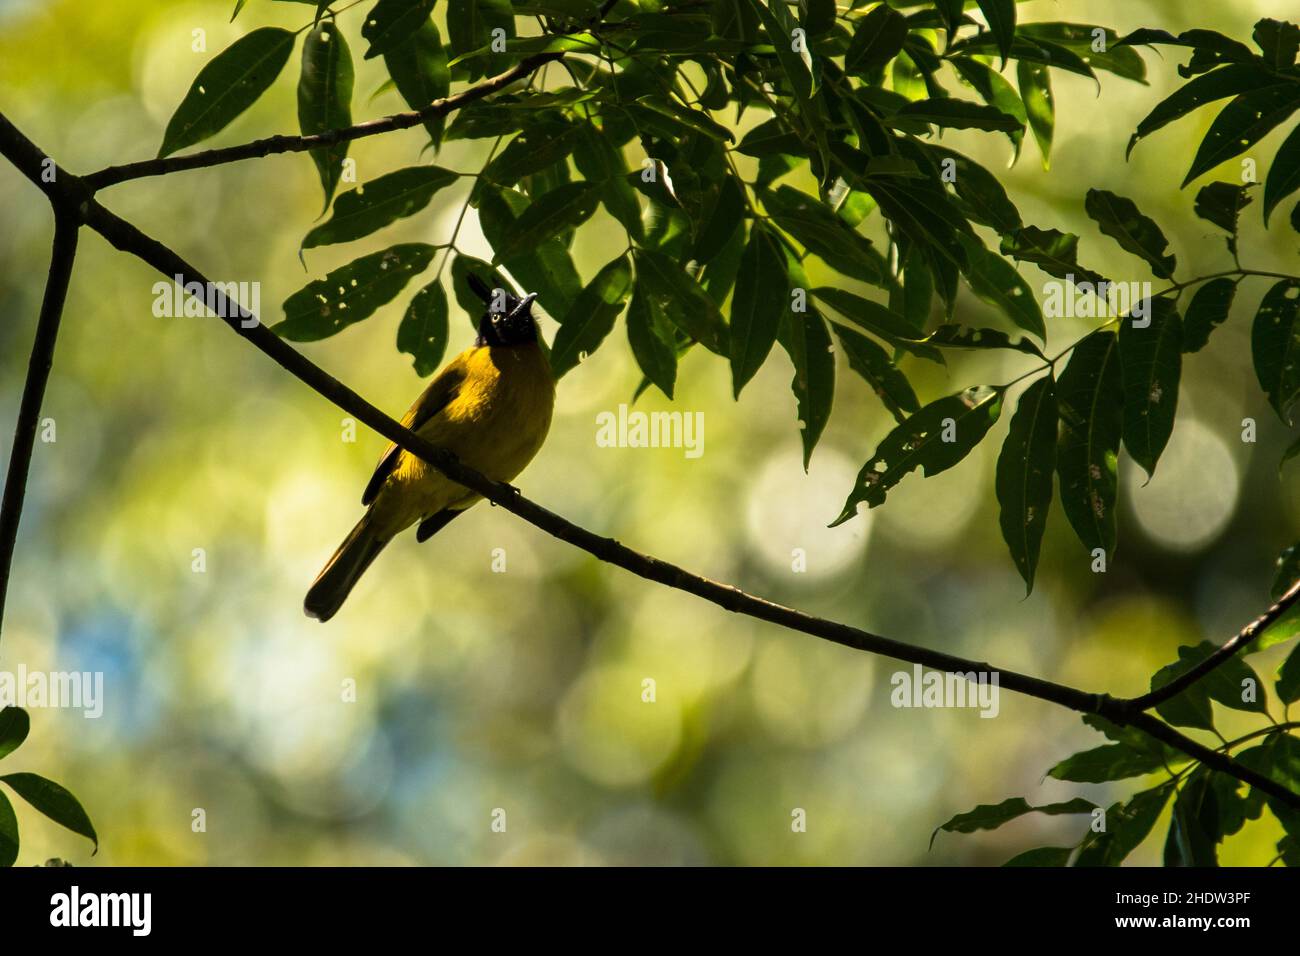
(496,424)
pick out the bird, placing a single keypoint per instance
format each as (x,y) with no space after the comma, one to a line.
(491,406)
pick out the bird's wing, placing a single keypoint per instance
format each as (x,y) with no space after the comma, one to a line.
(433,400)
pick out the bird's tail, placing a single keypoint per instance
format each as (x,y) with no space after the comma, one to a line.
(333,584)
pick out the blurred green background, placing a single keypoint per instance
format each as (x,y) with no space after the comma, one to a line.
(522,690)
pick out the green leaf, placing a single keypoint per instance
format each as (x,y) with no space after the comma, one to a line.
(1206,312)
(1242,123)
(726,211)
(1055,252)
(953,336)
(959,114)
(418,66)
(545,268)
(1024,476)
(391,22)
(1275,344)
(1090,403)
(9,825)
(680,298)
(798,66)
(878,370)
(761,298)
(1228,81)
(1081,40)
(1036,91)
(15,724)
(824,234)
(934,439)
(817,16)
(872,316)
(592,315)
(806,340)
(229,84)
(379,203)
(352,292)
(600,162)
(469,28)
(1127,825)
(529,46)
(984,196)
(1101,764)
(1194,827)
(424,330)
(1001,17)
(555,212)
(1227,684)
(1288,678)
(1286,574)
(1151,359)
(1284,174)
(998,283)
(325,99)
(995,91)
(877,38)
(53,801)
(990,816)
(1042,856)
(537,147)
(650,334)
(1119,218)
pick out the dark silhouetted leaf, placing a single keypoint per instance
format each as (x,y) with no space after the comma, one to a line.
(461,268)
(352,292)
(1119,218)
(1151,363)
(934,439)
(872,316)
(546,267)
(1081,39)
(1242,123)
(229,84)
(650,335)
(14,727)
(53,801)
(877,39)
(798,65)
(806,340)
(878,370)
(824,234)
(469,29)
(959,114)
(952,336)
(761,298)
(592,315)
(1194,827)
(1206,312)
(1055,252)
(1284,174)
(1288,678)
(1230,81)
(1001,17)
(391,22)
(1101,764)
(1127,825)
(1024,476)
(1221,204)
(1279,41)
(325,98)
(680,298)
(997,282)
(378,203)
(1042,856)
(424,330)
(537,147)
(1090,401)
(1275,344)
(984,196)
(990,816)
(418,66)
(551,214)
(995,91)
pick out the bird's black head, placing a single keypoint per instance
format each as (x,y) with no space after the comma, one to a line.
(507,319)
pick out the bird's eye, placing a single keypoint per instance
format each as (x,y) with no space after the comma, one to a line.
(496,317)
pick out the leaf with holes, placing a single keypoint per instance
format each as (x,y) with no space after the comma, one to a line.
(325,99)
(379,203)
(1091,408)
(424,330)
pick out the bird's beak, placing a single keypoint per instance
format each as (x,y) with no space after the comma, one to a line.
(524,304)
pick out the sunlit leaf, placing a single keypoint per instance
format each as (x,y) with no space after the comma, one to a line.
(391,22)
(1001,17)
(1036,92)
(418,66)
(14,727)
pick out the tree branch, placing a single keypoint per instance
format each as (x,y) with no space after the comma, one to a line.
(38,374)
(298,144)
(128,238)
(1231,647)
